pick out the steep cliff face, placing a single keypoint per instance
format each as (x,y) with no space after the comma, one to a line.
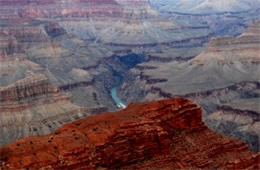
(31,106)
(160,134)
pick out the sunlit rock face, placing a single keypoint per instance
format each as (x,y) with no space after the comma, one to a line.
(167,134)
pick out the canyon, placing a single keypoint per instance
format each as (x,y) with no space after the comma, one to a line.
(160,134)
(61,61)
(228,70)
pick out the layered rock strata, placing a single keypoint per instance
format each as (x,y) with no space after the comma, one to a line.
(121,23)
(75,8)
(160,134)
(226,71)
(32,47)
(31,106)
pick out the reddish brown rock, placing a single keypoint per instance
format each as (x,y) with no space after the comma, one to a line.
(162,134)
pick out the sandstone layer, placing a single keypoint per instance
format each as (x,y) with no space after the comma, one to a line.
(159,134)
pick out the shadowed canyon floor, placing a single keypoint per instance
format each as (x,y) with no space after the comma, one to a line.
(160,134)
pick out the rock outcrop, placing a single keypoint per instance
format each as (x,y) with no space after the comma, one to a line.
(31,107)
(160,134)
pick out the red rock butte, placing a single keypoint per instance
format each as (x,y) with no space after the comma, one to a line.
(166,134)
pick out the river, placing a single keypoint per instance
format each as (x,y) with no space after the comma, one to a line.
(120,104)
(128,62)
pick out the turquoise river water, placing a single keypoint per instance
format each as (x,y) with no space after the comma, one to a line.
(120,104)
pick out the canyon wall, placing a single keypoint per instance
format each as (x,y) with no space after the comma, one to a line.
(78,46)
(228,70)
(32,107)
(160,134)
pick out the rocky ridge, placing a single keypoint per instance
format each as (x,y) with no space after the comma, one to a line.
(160,134)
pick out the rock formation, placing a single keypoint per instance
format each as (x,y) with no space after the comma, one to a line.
(39,63)
(239,118)
(75,8)
(29,46)
(79,47)
(159,135)
(206,6)
(62,38)
(225,50)
(228,70)
(103,21)
(32,106)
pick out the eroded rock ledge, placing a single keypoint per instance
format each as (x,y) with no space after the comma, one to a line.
(160,134)
(32,107)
